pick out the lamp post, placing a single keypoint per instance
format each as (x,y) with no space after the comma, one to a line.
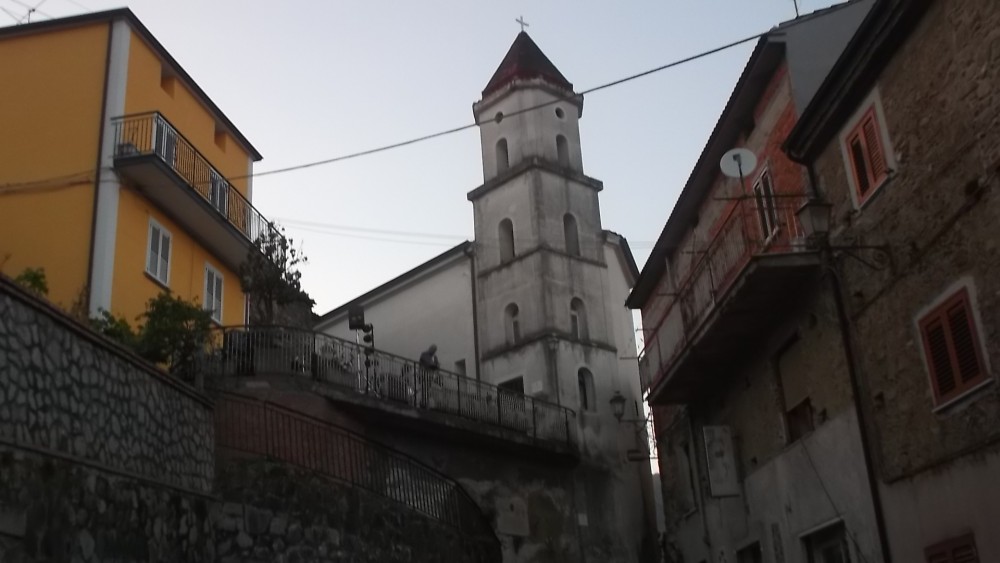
(617,402)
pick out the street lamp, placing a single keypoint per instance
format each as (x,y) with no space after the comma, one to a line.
(814,217)
(618,405)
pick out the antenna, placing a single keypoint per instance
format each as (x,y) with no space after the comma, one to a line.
(737,163)
(796,2)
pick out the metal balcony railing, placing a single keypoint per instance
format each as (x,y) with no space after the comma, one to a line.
(341,363)
(150,134)
(753,226)
(278,433)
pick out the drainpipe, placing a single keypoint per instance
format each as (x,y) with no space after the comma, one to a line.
(471,253)
(853,371)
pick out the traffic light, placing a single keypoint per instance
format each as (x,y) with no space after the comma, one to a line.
(355,317)
(368,337)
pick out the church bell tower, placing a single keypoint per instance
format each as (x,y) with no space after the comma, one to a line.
(540,266)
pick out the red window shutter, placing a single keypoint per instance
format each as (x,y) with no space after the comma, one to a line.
(940,358)
(964,341)
(955,550)
(965,554)
(873,142)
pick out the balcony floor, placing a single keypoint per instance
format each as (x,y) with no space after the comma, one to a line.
(746,314)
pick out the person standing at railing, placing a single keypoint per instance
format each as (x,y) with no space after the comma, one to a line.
(429,365)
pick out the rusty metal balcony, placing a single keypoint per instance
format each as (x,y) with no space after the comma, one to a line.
(737,289)
(166,168)
(388,388)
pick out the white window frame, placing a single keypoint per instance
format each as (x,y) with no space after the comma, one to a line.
(209,304)
(872,100)
(161,277)
(768,218)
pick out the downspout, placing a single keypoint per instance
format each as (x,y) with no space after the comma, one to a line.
(853,371)
(470,251)
(97,172)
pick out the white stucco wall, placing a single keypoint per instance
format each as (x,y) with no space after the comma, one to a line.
(435,307)
(943,503)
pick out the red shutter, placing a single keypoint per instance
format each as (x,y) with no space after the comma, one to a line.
(964,342)
(952,347)
(940,357)
(873,142)
(955,550)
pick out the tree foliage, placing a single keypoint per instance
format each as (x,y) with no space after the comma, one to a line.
(33,280)
(173,332)
(269,276)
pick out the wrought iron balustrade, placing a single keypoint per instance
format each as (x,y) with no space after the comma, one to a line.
(753,226)
(150,134)
(244,351)
(278,433)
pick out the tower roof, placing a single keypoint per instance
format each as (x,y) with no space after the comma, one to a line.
(525,60)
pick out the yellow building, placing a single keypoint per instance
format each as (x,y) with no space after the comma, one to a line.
(118,175)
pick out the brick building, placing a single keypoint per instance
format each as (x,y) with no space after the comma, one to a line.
(902,141)
(761,454)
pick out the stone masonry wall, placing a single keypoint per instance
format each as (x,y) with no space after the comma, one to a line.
(937,212)
(280,513)
(68,391)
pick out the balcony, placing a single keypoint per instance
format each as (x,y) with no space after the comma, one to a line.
(168,170)
(738,289)
(388,389)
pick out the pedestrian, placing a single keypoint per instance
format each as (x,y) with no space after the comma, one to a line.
(428,365)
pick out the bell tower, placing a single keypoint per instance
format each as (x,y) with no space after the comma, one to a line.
(540,264)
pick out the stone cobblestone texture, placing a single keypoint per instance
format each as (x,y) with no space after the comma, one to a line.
(65,392)
(285,515)
(55,510)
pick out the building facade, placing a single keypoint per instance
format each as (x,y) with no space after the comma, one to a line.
(534,306)
(760,450)
(126,179)
(902,143)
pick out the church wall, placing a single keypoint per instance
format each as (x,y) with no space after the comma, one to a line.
(561,195)
(511,201)
(436,308)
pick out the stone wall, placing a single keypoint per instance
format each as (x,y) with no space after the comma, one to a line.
(277,512)
(68,391)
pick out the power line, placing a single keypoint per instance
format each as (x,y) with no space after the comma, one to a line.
(620,81)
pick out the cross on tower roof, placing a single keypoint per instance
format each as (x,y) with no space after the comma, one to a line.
(524,24)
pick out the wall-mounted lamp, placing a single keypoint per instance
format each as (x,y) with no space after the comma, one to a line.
(814,217)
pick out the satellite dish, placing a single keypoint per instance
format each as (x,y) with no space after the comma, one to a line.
(737,163)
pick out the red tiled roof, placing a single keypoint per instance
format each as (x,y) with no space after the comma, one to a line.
(525,60)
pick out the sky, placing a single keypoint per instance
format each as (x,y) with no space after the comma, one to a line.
(312,80)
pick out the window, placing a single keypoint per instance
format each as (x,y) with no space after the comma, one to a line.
(951,346)
(866,155)
(506,234)
(750,554)
(828,545)
(764,201)
(158,254)
(218,192)
(165,141)
(562,150)
(503,159)
(571,234)
(578,319)
(799,420)
(213,293)
(515,385)
(512,325)
(955,550)
(585,380)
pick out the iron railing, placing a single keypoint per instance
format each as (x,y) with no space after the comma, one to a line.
(241,350)
(265,429)
(752,227)
(150,134)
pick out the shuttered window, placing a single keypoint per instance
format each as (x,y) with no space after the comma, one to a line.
(951,344)
(867,156)
(955,550)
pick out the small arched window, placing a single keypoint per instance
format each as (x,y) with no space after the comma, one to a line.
(562,150)
(506,234)
(512,324)
(503,158)
(571,234)
(578,319)
(585,379)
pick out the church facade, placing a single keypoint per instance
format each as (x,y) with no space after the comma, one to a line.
(535,304)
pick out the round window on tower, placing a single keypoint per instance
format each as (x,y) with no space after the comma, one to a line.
(499,117)
(559,113)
